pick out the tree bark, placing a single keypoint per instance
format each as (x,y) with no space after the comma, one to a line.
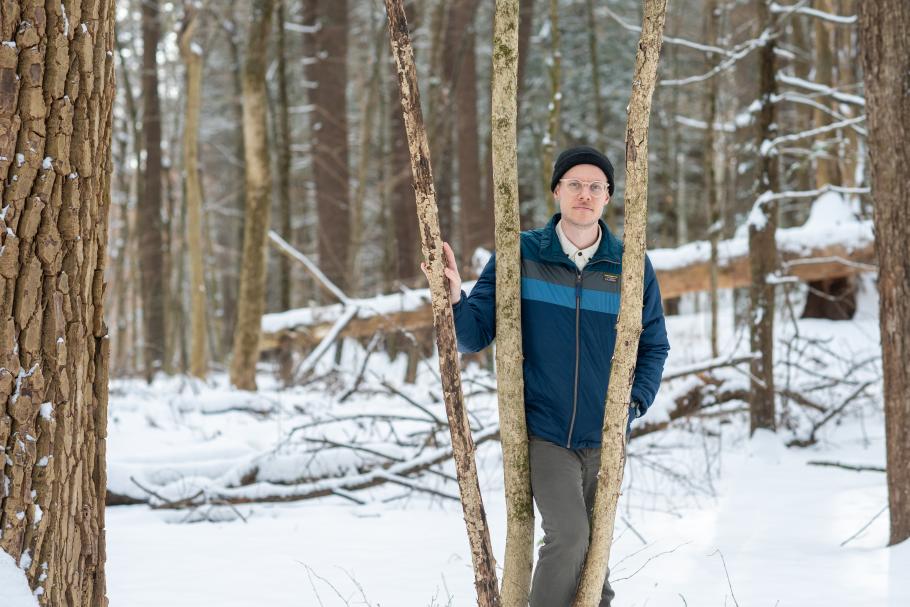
(519,554)
(762,246)
(885,36)
(462,441)
(151,244)
(628,327)
(258,202)
(283,161)
(56,95)
(192,59)
(712,19)
(331,171)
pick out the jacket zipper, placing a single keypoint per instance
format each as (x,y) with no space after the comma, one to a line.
(577,357)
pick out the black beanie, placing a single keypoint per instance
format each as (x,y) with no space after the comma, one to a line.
(582,154)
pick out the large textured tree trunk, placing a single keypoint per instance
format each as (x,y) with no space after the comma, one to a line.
(192,59)
(258,202)
(628,326)
(151,244)
(513,430)
(462,441)
(762,245)
(885,35)
(331,171)
(56,94)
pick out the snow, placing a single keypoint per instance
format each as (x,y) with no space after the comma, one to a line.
(705,516)
(14,590)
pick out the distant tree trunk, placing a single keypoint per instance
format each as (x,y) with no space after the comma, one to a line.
(825,162)
(462,441)
(331,172)
(474,220)
(712,19)
(885,35)
(600,117)
(628,326)
(402,203)
(762,245)
(283,164)
(192,58)
(258,202)
(56,95)
(519,552)
(151,245)
(548,149)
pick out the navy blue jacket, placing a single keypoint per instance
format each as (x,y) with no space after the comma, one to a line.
(568,322)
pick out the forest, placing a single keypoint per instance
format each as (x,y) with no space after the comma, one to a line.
(234,359)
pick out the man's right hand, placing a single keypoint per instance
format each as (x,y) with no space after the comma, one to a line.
(451,272)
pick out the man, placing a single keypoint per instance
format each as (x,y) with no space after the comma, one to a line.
(570,280)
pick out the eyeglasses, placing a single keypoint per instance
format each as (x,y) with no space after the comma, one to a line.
(575,187)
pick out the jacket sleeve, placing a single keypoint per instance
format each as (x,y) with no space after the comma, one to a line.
(653,345)
(475,314)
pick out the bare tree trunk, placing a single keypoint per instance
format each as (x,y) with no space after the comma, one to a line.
(712,18)
(283,164)
(462,441)
(628,326)
(56,94)
(762,245)
(473,218)
(549,144)
(825,163)
(258,202)
(885,35)
(519,554)
(192,58)
(331,172)
(151,245)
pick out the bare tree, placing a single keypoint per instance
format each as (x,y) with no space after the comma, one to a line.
(258,202)
(151,243)
(885,35)
(191,54)
(519,556)
(462,441)
(628,325)
(56,94)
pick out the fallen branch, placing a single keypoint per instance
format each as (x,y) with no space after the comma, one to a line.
(854,467)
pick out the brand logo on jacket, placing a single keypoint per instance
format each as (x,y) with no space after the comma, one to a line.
(611,277)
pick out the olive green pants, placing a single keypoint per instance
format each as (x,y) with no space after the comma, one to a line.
(563,482)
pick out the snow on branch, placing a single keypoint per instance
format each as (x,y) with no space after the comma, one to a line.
(669,39)
(805,10)
(300,28)
(732,57)
(767,145)
(821,88)
(794,97)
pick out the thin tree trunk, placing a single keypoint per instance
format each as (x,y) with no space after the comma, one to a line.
(628,327)
(762,244)
(462,441)
(283,164)
(56,95)
(473,218)
(885,35)
(549,143)
(192,58)
(712,18)
(600,117)
(151,245)
(519,553)
(258,203)
(331,172)
(825,163)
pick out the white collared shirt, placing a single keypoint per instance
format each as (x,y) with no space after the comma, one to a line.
(580,256)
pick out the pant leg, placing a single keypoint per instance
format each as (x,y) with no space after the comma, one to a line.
(557,486)
(590,466)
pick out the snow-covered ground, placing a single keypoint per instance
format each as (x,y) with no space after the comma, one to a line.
(709,517)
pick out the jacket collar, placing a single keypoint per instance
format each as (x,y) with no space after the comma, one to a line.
(610,248)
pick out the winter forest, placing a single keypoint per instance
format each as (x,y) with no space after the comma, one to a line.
(234,357)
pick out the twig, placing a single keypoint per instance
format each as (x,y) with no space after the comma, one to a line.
(853,467)
(727,573)
(866,526)
(651,558)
